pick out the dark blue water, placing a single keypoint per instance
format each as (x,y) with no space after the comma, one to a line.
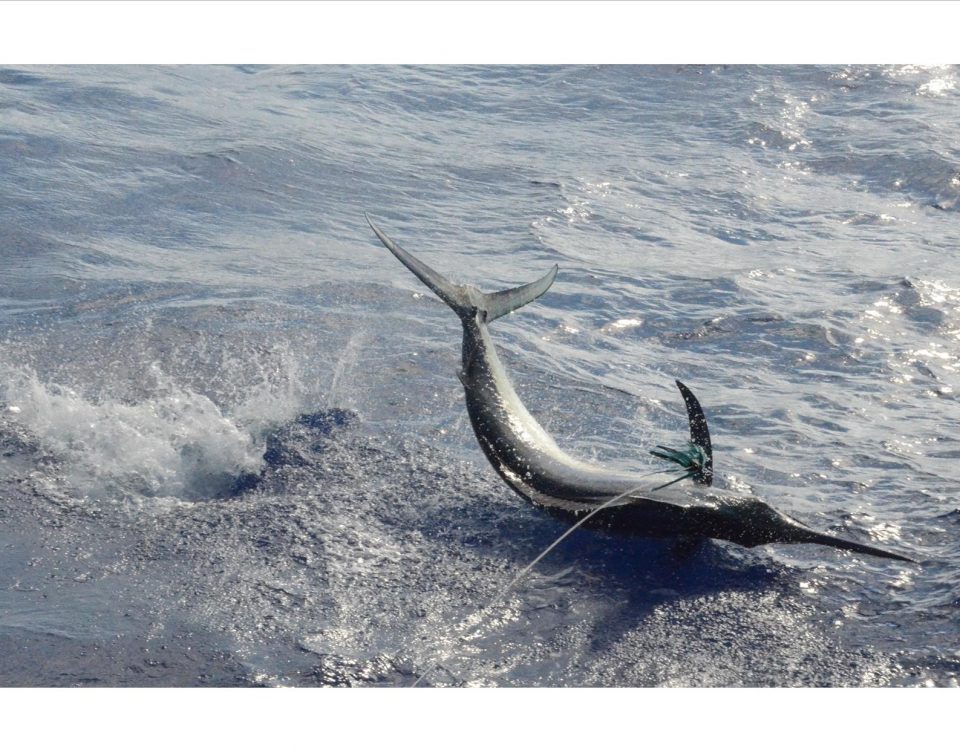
(234,450)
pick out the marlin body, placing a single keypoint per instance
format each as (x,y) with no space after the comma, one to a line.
(534,466)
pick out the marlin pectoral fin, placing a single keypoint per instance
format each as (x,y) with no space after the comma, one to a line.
(699,434)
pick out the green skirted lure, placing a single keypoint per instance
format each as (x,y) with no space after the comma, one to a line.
(692,458)
(691,461)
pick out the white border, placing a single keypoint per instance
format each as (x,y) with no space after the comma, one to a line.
(479,32)
(545,719)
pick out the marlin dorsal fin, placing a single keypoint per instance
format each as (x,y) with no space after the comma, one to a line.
(699,433)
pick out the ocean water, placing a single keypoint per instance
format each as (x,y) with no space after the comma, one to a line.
(235,450)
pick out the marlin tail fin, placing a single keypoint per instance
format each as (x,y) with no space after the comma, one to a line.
(466,300)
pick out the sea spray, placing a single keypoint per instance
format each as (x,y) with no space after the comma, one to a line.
(174,443)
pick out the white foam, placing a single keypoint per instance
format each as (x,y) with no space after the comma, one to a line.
(175,443)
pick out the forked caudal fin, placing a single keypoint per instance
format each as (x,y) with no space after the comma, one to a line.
(465,300)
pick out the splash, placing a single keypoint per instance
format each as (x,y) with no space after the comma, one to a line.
(347,361)
(174,443)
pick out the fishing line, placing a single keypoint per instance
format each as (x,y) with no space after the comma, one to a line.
(516,579)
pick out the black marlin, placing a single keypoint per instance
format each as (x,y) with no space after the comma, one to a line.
(535,467)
